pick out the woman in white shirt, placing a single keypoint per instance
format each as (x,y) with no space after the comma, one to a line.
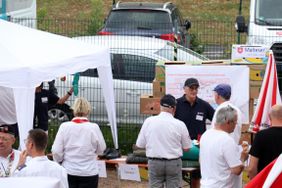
(76,146)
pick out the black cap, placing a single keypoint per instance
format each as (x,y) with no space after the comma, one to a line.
(191,82)
(168,101)
(7,129)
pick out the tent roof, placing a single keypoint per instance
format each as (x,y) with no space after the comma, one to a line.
(30,56)
(38,55)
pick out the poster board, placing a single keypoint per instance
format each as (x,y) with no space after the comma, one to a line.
(129,172)
(210,76)
(246,54)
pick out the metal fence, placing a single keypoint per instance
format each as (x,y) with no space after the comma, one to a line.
(133,65)
(210,38)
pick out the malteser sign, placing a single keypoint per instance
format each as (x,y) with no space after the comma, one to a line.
(249,54)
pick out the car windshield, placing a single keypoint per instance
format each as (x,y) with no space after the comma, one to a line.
(183,54)
(268,12)
(139,19)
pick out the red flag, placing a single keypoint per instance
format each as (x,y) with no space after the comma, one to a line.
(269,177)
(269,96)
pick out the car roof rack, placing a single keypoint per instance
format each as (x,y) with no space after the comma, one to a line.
(167,5)
(117,4)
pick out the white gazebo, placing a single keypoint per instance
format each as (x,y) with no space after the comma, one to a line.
(29,56)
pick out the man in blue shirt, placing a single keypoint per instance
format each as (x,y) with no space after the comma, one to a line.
(193,111)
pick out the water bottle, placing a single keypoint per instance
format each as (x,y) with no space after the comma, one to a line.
(75,83)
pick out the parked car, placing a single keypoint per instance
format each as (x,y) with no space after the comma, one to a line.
(159,20)
(133,61)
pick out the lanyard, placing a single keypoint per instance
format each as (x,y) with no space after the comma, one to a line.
(7,172)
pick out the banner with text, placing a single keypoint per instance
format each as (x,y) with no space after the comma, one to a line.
(209,77)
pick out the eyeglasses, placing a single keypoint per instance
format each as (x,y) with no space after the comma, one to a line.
(193,88)
(4,139)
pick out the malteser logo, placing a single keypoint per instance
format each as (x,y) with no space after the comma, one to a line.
(240,50)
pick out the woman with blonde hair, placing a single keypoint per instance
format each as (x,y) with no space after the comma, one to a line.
(76,146)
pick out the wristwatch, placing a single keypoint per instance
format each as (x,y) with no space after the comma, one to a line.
(21,167)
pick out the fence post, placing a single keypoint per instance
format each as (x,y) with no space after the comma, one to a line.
(240,12)
(175,48)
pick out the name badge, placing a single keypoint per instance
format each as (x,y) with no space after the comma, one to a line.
(44,99)
(200,117)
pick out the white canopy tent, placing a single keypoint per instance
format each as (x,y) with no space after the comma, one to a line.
(29,56)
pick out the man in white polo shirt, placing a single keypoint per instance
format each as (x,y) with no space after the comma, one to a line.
(164,139)
(220,159)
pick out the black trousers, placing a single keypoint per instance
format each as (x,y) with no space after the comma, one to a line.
(83,181)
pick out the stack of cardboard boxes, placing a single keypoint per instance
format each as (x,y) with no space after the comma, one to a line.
(150,103)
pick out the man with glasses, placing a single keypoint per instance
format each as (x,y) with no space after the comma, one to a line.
(193,111)
(220,158)
(8,156)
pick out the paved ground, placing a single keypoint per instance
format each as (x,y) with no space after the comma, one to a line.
(112,181)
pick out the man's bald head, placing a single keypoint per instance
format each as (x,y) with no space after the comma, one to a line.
(276,115)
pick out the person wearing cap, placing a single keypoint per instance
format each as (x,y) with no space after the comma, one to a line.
(194,112)
(222,95)
(164,138)
(43,100)
(220,158)
(38,164)
(9,157)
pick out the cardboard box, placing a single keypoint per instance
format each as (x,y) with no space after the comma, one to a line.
(158,88)
(255,83)
(216,62)
(160,73)
(245,128)
(160,69)
(149,104)
(257,72)
(245,137)
(254,91)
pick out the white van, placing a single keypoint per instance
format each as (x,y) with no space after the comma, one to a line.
(19,11)
(265,28)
